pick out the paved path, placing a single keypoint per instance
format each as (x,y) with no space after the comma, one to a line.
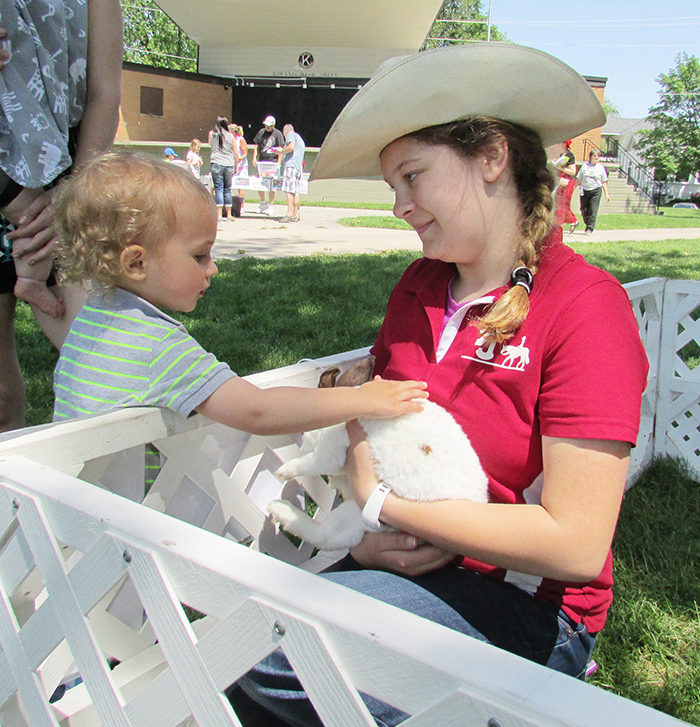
(318,232)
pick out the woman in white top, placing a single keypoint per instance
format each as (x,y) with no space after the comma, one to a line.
(594,181)
(223,165)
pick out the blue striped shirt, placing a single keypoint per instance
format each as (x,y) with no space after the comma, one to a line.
(123,351)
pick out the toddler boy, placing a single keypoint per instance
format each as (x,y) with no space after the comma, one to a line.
(143,231)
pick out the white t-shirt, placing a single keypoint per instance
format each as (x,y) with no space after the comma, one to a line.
(592,176)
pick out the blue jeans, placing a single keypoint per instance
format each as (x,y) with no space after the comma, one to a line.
(485,609)
(221,177)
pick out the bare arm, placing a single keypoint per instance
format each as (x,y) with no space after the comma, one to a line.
(570,170)
(104,68)
(566,537)
(288,409)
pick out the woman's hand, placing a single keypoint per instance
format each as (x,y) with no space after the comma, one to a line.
(34,225)
(400,553)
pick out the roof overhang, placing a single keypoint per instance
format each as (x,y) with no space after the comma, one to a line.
(311,38)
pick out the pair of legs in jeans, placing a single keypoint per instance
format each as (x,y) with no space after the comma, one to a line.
(488,610)
(221,177)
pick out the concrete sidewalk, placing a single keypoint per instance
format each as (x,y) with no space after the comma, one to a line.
(319,232)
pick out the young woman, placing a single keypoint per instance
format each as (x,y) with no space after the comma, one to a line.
(535,352)
(565,164)
(223,165)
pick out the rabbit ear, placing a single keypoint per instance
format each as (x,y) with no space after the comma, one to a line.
(328,378)
(357,374)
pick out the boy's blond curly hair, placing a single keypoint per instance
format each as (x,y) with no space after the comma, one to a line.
(113,201)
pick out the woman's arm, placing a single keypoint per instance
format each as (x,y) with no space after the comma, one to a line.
(104,69)
(570,170)
(567,537)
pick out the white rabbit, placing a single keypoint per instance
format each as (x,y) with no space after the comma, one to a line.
(422,456)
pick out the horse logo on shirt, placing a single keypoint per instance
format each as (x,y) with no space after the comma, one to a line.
(515,356)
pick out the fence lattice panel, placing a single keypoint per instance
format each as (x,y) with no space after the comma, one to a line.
(678,407)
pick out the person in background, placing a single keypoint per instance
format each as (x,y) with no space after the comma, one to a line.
(61,117)
(593,178)
(223,165)
(172,157)
(193,158)
(242,160)
(565,165)
(265,141)
(293,150)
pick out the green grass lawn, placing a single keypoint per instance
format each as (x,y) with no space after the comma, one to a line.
(261,314)
(671,218)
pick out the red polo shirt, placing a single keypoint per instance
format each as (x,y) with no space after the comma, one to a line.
(575,369)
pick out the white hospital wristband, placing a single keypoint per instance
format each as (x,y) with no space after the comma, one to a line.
(373,507)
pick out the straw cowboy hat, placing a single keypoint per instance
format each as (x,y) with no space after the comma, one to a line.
(502,80)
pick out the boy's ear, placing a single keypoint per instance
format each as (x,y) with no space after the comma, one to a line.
(133,262)
(495,159)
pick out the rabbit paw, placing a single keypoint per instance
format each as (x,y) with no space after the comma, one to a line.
(283,512)
(287,471)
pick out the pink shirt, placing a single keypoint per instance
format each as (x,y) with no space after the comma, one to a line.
(575,369)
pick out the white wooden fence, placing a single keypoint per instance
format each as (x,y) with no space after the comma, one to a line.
(87,575)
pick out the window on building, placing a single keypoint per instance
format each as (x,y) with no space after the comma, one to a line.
(151,101)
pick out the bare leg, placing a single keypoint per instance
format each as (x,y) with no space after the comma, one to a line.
(37,294)
(56,329)
(31,286)
(11,381)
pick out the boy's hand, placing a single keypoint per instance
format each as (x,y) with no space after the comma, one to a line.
(388,399)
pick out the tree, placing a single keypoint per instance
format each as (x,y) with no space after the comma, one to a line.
(610,109)
(673,144)
(443,34)
(152,38)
